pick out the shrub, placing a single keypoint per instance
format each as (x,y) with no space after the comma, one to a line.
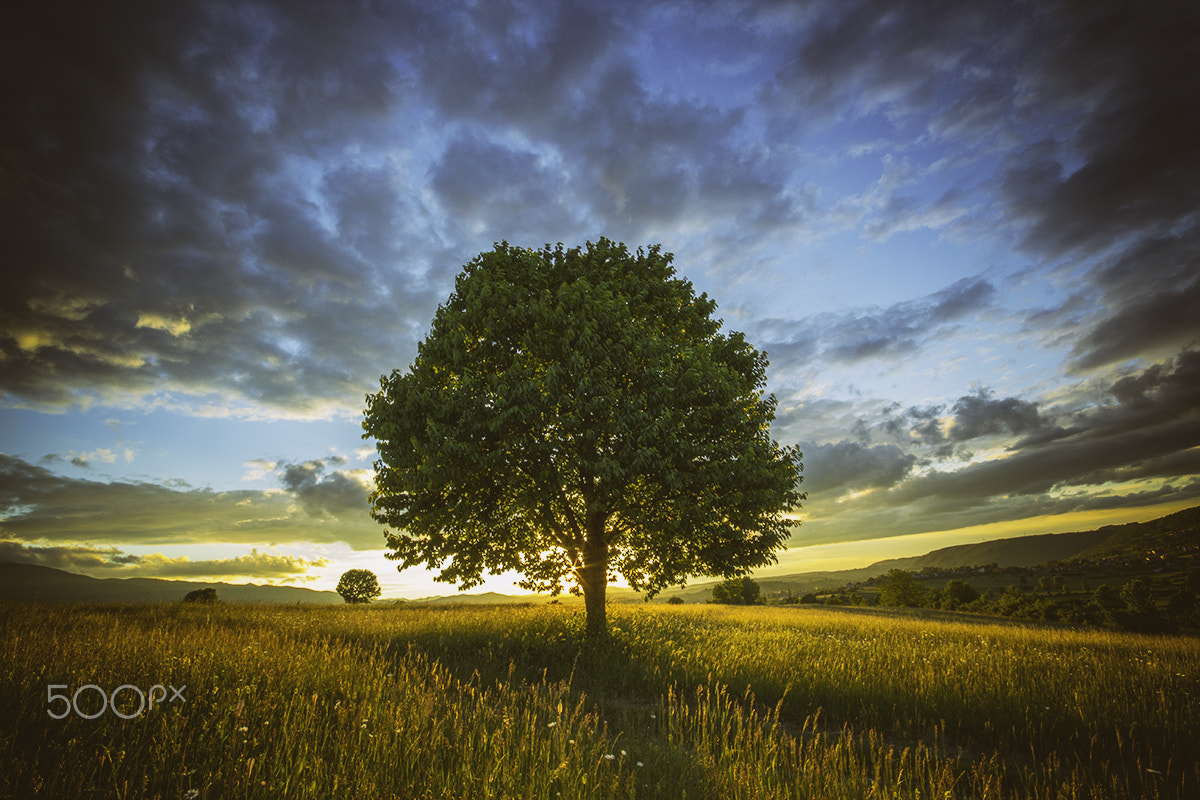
(958,593)
(208,595)
(899,588)
(738,592)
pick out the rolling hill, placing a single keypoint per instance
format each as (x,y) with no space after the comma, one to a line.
(34,582)
(1163,535)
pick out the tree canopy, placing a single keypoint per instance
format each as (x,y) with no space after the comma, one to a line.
(206,595)
(577,413)
(358,586)
(742,591)
(900,588)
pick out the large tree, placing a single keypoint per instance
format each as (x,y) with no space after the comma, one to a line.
(574,414)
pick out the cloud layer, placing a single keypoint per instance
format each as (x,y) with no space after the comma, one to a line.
(967,234)
(37,504)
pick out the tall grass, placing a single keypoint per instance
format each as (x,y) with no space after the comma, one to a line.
(504,702)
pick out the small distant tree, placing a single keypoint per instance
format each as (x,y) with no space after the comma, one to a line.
(899,588)
(1183,604)
(1106,597)
(675,601)
(1138,597)
(208,595)
(958,593)
(358,586)
(737,592)
(1193,581)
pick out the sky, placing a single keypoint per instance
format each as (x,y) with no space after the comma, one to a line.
(967,235)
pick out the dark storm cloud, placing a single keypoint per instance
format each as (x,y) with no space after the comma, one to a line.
(334,495)
(229,201)
(1125,179)
(871,332)
(1123,64)
(1151,321)
(38,504)
(851,465)
(973,416)
(564,76)
(1151,431)
(1125,442)
(912,48)
(254,208)
(187,209)
(1089,105)
(980,414)
(483,185)
(914,425)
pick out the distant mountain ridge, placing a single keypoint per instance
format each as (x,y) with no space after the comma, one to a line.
(35,582)
(1181,529)
(1111,541)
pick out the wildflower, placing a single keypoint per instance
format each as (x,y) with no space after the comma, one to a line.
(623,754)
(640,764)
(609,757)
(551,725)
(191,794)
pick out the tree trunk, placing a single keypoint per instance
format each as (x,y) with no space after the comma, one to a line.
(594,587)
(593,578)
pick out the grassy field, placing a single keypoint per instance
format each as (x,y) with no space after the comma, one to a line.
(513,702)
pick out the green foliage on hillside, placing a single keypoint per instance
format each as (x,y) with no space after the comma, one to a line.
(899,588)
(1163,536)
(742,591)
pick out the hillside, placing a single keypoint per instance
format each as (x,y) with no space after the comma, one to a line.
(33,582)
(1018,551)
(1164,535)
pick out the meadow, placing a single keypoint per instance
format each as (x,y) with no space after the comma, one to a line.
(515,702)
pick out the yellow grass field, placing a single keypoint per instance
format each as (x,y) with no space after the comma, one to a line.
(514,702)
